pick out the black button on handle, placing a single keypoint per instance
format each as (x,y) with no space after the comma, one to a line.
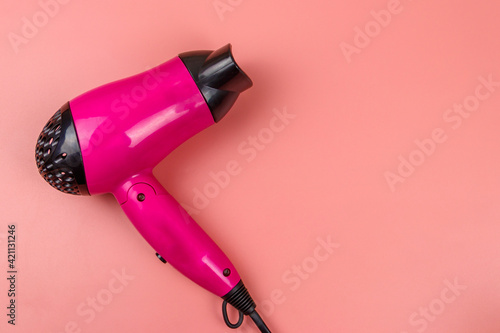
(161,258)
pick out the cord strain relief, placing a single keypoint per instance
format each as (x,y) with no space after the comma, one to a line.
(240,298)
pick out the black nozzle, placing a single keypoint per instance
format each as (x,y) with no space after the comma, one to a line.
(218,77)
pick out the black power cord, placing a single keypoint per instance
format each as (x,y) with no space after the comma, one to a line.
(254,315)
(259,322)
(226,318)
(243,302)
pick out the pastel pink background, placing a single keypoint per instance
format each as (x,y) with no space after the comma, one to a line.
(323,175)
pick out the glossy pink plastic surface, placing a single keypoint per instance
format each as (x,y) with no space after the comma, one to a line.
(177,237)
(127,127)
(130,125)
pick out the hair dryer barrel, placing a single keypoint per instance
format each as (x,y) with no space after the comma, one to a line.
(127,126)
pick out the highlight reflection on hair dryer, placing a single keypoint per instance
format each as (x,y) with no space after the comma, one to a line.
(109,139)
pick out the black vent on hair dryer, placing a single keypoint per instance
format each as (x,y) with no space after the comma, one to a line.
(218,77)
(58,155)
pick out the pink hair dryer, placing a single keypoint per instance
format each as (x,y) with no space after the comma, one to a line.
(110,138)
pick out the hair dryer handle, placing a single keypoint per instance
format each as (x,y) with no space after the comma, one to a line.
(175,236)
